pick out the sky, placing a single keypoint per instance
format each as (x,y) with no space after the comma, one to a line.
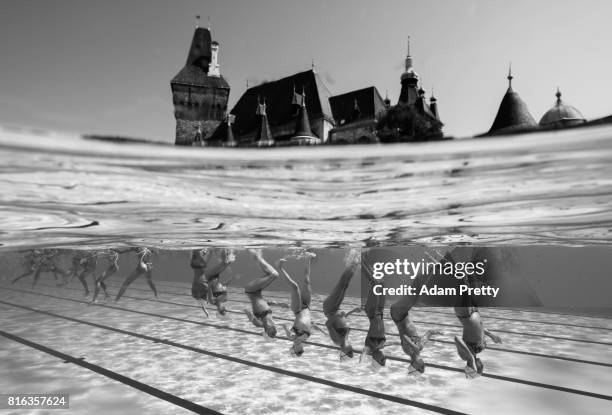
(105,67)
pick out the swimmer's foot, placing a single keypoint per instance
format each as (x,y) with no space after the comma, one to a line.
(256,252)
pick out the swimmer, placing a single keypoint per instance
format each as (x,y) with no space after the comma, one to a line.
(75,269)
(217,291)
(49,263)
(113,266)
(473,340)
(261,314)
(143,267)
(32,263)
(300,305)
(199,286)
(39,261)
(337,324)
(412,344)
(88,266)
(374,308)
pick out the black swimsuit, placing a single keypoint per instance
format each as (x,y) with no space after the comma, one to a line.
(342,331)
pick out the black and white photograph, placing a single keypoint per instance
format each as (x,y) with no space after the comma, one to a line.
(305,207)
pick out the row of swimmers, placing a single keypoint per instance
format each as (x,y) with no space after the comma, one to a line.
(84,264)
(207,288)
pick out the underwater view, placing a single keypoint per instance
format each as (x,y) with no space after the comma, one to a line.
(161,349)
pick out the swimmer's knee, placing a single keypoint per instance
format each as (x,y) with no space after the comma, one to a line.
(395,313)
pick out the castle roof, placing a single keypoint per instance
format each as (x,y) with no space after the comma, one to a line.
(279,99)
(561,114)
(513,114)
(367,99)
(195,71)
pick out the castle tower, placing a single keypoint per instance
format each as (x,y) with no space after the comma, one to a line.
(303,133)
(513,116)
(263,138)
(433,105)
(409,79)
(230,141)
(199,92)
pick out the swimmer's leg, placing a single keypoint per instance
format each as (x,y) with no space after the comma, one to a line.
(83,281)
(375,304)
(30,272)
(335,298)
(471,370)
(400,309)
(36,277)
(130,279)
(100,282)
(306,290)
(149,278)
(226,260)
(260,283)
(203,307)
(296,298)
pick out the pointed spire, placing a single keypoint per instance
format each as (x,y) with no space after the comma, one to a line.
(433,104)
(303,134)
(558,95)
(510,77)
(263,137)
(230,141)
(208,17)
(421,91)
(408,63)
(408,49)
(312,64)
(387,101)
(197,21)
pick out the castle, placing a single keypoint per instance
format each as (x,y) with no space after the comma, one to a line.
(299,109)
(295,110)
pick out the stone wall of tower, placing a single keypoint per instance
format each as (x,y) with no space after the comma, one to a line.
(197,105)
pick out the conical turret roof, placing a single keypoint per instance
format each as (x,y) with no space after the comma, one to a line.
(303,133)
(513,114)
(230,141)
(263,138)
(195,71)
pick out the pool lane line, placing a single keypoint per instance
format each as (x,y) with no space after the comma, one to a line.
(421,309)
(143,387)
(427,310)
(337,385)
(399,359)
(184,320)
(458,370)
(545,336)
(499,349)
